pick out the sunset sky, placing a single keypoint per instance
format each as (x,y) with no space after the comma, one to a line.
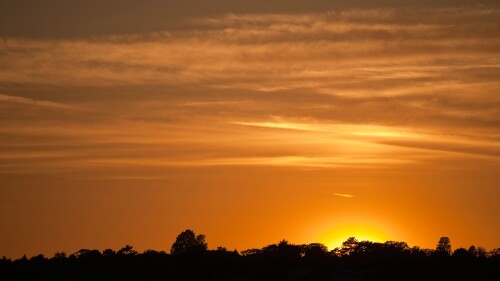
(127,122)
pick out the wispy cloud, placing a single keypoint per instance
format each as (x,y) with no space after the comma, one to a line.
(278,125)
(357,88)
(344,195)
(268,51)
(32,102)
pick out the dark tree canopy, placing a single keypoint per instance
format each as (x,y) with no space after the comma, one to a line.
(127,250)
(188,242)
(444,247)
(191,260)
(349,246)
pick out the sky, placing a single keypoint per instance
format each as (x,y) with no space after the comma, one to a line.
(127,122)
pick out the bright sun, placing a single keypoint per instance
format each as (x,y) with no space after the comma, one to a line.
(335,236)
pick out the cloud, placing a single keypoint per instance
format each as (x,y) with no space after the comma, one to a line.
(454,146)
(269,51)
(32,102)
(160,15)
(344,195)
(278,125)
(343,88)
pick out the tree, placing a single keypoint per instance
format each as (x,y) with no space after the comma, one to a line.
(251,252)
(108,253)
(221,249)
(315,250)
(366,248)
(399,246)
(188,242)
(59,255)
(495,253)
(444,247)
(478,252)
(86,254)
(127,250)
(349,246)
(462,253)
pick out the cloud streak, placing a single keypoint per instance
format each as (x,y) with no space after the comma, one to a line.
(346,88)
(369,45)
(32,102)
(344,195)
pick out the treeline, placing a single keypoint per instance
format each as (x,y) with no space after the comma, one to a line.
(190,259)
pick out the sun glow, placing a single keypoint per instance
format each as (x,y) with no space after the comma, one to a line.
(335,236)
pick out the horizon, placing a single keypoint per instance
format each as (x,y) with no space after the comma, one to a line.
(251,122)
(215,248)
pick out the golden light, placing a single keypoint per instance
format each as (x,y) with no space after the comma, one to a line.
(334,237)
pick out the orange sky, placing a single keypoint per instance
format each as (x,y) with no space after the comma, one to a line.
(248,122)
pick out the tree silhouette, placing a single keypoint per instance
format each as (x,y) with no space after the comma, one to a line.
(462,253)
(191,260)
(108,252)
(127,250)
(444,247)
(315,250)
(60,255)
(495,253)
(349,246)
(478,252)
(188,242)
(86,254)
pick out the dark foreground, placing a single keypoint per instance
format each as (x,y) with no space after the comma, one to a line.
(190,260)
